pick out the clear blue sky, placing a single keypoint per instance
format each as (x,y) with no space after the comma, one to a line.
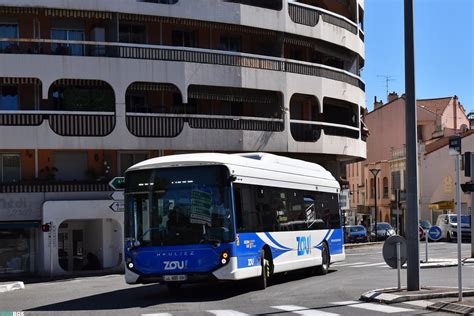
(444,54)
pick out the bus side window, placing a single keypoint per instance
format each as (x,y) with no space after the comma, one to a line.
(238,208)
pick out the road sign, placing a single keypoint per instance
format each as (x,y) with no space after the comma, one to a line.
(117,183)
(389,250)
(117,196)
(435,233)
(454,145)
(117,206)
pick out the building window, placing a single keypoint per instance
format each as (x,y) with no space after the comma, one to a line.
(132,33)
(10,167)
(126,160)
(229,43)
(396,181)
(8,31)
(184,38)
(385,187)
(9,98)
(372,188)
(67,35)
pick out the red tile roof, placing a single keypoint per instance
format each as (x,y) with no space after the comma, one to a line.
(434,105)
(440,143)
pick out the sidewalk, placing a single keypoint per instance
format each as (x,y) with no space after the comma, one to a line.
(440,298)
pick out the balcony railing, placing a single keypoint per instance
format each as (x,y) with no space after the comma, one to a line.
(308,15)
(29,187)
(64,123)
(171,125)
(184,54)
(154,125)
(399,153)
(234,122)
(310,131)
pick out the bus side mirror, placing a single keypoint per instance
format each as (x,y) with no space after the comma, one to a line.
(232,178)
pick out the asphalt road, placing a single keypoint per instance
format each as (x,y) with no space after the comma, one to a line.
(336,293)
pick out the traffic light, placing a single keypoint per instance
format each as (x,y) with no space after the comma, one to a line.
(45,228)
(467,187)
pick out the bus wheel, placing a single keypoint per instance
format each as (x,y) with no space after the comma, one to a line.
(173,288)
(262,280)
(324,267)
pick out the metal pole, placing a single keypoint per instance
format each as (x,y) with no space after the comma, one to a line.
(472,206)
(397,198)
(375,207)
(413,255)
(399,266)
(426,245)
(459,236)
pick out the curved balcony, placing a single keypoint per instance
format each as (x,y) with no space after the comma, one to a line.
(310,131)
(310,16)
(191,55)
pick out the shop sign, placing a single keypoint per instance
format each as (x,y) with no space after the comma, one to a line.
(20,206)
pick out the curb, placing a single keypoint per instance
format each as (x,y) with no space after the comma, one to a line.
(383,295)
(11,286)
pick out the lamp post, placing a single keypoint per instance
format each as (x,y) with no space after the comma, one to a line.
(375,172)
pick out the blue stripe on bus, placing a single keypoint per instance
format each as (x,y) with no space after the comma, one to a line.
(319,246)
(276,242)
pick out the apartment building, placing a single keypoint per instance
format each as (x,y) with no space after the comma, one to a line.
(437,119)
(88,88)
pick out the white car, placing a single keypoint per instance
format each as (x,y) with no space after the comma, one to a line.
(448,225)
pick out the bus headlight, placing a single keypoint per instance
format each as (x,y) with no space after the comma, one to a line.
(225,257)
(130,265)
(129,262)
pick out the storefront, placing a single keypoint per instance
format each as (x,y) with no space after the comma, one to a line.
(18,244)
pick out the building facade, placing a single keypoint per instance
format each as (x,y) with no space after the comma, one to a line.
(88,88)
(437,119)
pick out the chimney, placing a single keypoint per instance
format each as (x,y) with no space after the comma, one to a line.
(392,96)
(377,104)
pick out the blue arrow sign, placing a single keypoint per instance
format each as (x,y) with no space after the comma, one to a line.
(435,233)
(117,183)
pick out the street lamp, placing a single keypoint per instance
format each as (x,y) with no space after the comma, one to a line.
(375,172)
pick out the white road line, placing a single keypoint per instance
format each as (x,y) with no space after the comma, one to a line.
(348,264)
(303,310)
(226,312)
(371,265)
(421,303)
(158,314)
(373,307)
(360,254)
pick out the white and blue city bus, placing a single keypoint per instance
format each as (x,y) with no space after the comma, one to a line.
(209,216)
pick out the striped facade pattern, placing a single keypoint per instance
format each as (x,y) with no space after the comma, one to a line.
(16,119)
(82,125)
(155,126)
(239,61)
(53,187)
(237,124)
(302,15)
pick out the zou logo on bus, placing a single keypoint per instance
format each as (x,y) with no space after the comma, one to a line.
(176,265)
(304,245)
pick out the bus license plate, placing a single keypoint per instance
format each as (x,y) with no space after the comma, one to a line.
(177,277)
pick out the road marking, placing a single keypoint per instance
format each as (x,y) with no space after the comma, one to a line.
(303,310)
(158,314)
(348,264)
(373,307)
(371,265)
(421,303)
(359,254)
(225,312)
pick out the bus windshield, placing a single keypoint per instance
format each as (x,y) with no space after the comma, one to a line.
(178,206)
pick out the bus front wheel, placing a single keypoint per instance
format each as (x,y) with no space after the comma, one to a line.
(324,267)
(262,280)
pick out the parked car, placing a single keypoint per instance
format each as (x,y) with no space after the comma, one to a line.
(355,233)
(425,226)
(448,225)
(384,230)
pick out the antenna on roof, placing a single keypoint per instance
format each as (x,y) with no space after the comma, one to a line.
(387,80)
